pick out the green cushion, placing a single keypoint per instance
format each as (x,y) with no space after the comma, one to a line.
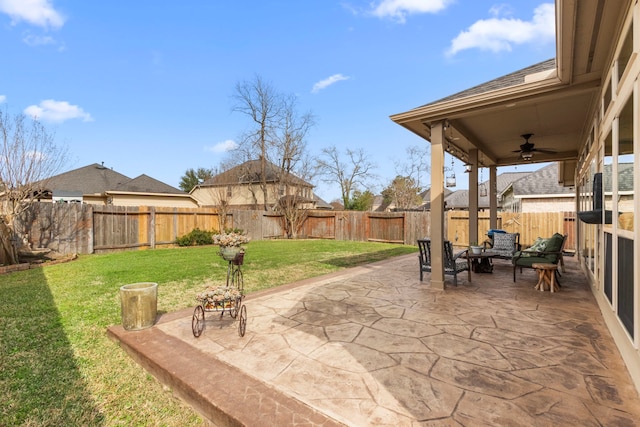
(555,243)
(525,259)
(539,245)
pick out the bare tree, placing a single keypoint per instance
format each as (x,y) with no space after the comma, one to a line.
(352,171)
(28,158)
(278,139)
(223,207)
(259,101)
(294,164)
(415,165)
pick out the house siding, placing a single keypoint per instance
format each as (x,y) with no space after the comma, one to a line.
(614,281)
(549,204)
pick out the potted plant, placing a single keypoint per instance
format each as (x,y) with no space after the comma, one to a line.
(475,249)
(230,243)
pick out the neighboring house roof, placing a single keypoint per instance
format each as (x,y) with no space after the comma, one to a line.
(91,179)
(321,204)
(98,179)
(460,199)
(146,184)
(426,198)
(625,177)
(544,181)
(505,179)
(250,173)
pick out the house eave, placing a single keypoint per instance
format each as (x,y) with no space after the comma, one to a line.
(138,194)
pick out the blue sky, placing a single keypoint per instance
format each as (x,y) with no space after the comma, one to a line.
(146,86)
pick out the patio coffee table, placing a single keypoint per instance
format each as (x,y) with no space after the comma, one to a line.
(481,263)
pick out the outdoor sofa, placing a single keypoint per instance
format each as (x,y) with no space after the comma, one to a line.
(543,251)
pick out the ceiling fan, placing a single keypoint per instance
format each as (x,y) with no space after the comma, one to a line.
(528,148)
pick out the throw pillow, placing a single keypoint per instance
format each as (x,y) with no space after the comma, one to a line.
(504,242)
(539,245)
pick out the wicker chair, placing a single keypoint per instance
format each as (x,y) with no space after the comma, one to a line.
(453,264)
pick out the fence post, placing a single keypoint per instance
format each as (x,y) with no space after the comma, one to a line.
(90,232)
(152,227)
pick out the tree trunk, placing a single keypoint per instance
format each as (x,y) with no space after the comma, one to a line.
(8,253)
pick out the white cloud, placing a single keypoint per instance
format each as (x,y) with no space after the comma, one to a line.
(32,40)
(36,12)
(323,84)
(399,9)
(3,98)
(500,34)
(223,147)
(57,111)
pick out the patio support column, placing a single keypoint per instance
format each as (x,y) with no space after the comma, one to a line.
(473,198)
(437,205)
(493,197)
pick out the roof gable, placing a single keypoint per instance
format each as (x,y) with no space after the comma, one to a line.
(250,173)
(91,179)
(146,184)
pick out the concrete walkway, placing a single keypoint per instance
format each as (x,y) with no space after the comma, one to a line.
(374,346)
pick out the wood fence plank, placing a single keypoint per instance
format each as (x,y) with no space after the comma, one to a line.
(70,228)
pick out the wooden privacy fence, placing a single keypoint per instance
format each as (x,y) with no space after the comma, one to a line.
(530,225)
(84,228)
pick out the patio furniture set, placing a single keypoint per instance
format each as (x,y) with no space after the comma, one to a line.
(544,256)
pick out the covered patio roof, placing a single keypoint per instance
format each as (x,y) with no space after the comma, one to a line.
(552,100)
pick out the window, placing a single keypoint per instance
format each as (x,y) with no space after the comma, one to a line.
(229,191)
(625,52)
(625,168)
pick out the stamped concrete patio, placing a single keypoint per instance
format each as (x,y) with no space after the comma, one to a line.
(374,346)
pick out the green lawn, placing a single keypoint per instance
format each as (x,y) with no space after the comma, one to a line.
(57,366)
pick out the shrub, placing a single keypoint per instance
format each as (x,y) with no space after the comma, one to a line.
(196,237)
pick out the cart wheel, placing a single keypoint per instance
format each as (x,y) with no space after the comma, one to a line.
(236,279)
(242,321)
(234,310)
(197,322)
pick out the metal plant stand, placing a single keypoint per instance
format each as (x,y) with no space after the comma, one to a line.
(227,299)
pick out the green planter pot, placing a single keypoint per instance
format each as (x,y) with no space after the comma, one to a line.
(229,253)
(139,304)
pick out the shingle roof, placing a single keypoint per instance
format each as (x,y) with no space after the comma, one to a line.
(250,173)
(146,184)
(542,181)
(505,179)
(320,203)
(513,79)
(625,177)
(96,179)
(460,199)
(90,179)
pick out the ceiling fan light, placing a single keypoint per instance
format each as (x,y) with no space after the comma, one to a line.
(527,156)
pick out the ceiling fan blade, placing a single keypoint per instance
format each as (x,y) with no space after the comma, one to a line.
(542,150)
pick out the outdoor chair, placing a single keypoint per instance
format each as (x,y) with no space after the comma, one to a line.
(453,264)
(504,244)
(542,251)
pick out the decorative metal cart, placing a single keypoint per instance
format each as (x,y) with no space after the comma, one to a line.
(223,299)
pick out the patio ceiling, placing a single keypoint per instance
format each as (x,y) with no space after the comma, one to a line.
(553,100)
